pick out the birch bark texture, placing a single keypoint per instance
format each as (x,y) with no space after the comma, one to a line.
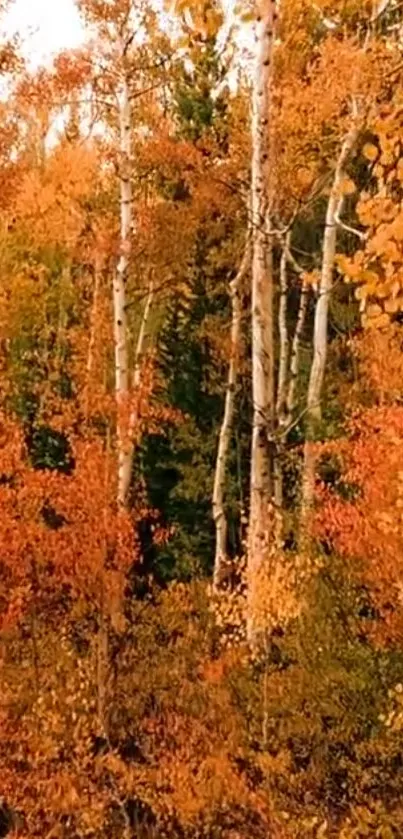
(261,477)
(289,364)
(120,297)
(224,441)
(283,337)
(282,378)
(291,400)
(320,335)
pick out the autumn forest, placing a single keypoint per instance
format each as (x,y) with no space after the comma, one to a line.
(201,424)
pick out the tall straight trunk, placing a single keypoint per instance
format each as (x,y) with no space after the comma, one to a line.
(320,335)
(92,337)
(289,365)
(141,338)
(138,365)
(296,353)
(283,336)
(224,441)
(119,299)
(281,413)
(261,477)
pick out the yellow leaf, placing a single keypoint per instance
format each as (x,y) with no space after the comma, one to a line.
(373,310)
(387,159)
(347,187)
(369,277)
(361,293)
(391,306)
(370,151)
(379,322)
(311,278)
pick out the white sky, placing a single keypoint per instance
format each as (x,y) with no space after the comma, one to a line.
(46,26)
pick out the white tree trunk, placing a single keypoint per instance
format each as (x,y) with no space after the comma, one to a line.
(141,338)
(289,362)
(284,339)
(120,302)
(281,413)
(296,353)
(224,441)
(315,387)
(138,366)
(261,478)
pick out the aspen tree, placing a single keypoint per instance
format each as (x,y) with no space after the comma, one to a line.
(289,361)
(320,335)
(120,295)
(261,475)
(122,70)
(224,441)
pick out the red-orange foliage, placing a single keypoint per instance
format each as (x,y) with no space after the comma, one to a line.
(60,530)
(362,513)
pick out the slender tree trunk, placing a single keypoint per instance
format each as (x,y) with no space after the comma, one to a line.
(92,338)
(139,353)
(93,320)
(261,479)
(119,300)
(138,364)
(289,365)
(284,339)
(315,387)
(296,353)
(281,413)
(224,441)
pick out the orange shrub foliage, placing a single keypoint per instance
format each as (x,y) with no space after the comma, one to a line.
(362,514)
(60,530)
(147,743)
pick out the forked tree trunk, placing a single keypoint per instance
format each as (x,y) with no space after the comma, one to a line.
(224,442)
(315,387)
(120,302)
(261,478)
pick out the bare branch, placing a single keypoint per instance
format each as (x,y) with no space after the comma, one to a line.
(359,233)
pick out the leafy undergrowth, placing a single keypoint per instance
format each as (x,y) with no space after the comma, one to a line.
(158,728)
